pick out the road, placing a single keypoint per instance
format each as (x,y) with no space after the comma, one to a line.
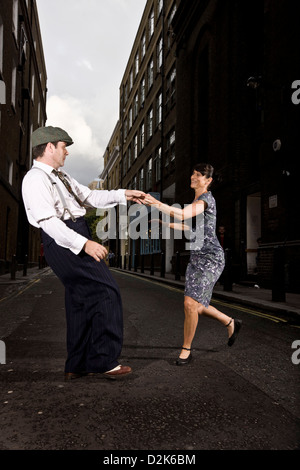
(244,397)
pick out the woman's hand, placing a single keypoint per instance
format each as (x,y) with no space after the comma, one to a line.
(150,200)
(135,195)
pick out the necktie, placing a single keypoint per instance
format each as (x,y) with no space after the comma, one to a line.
(67,185)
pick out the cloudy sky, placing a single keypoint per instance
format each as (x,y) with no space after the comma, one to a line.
(87,44)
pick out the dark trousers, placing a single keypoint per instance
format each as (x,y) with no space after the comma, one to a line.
(93,306)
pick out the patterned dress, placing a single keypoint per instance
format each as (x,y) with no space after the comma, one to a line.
(207,259)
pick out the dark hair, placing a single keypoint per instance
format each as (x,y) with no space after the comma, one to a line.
(205,169)
(39,150)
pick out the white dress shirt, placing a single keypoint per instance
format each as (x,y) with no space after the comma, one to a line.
(44,207)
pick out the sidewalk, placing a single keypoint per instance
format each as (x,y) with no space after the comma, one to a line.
(254,297)
(9,287)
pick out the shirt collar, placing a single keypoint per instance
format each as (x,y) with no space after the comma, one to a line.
(43,166)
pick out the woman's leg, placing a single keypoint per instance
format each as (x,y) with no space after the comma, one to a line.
(190,324)
(212,312)
(192,310)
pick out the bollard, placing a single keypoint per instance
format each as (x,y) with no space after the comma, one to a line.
(142,263)
(125,262)
(278,281)
(152,265)
(135,262)
(177,268)
(13,268)
(227,276)
(129,263)
(25,265)
(162,265)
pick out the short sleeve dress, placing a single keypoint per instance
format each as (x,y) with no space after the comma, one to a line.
(207,261)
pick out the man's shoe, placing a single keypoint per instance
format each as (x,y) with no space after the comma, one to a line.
(118,371)
(72,376)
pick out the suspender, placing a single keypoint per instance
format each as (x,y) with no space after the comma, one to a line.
(62,198)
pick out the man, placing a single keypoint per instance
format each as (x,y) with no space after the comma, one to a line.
(55,203)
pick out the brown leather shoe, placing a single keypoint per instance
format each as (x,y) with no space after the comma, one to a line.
(72,376)
(121,371)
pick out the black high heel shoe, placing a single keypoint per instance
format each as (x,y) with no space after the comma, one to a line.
(182,362)
(236,330)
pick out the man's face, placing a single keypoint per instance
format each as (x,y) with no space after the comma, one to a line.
(59,154)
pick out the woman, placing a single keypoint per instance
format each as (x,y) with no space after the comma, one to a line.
(206,261)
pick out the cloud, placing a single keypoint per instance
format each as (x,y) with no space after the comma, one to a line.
(85,63)
(86,153)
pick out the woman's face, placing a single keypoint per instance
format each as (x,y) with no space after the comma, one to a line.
(198,181)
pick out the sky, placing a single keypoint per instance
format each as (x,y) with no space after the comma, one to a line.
(87,44)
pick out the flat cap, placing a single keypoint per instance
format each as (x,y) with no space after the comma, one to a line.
(44,135)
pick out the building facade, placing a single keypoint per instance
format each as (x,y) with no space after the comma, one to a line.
(148,118)
(237,71)
(216,81)
(23,80)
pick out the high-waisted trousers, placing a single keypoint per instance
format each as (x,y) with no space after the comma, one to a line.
(93,305)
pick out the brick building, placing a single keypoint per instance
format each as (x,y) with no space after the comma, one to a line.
(223,79)
(236,66)
(23,108)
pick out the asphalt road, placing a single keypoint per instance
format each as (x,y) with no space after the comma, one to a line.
(239,398)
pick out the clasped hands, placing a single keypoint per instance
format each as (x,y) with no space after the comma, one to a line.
(140,197)
(98,251)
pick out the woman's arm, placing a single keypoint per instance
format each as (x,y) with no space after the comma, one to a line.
(192,210)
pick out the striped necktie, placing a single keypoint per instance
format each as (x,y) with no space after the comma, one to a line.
(67,185)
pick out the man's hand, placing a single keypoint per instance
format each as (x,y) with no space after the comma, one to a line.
(135,195)
(94,249)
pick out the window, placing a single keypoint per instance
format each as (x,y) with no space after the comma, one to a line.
(125,129)
(9,171)
(157,164)
(129,156)
(171,88)
(159,53)
(170,150)
(134,183)
(15,14)
(32,86)
(141,179)
(143,46)
(151,24)
(159,7)
(135,147)
(13,84)
(149,174)
(124,164)
(142,91)
(159,109)
(136,106)
(130,80)
(136,64)
(130,118)
(170,18)
(142,136)
(150,124)
(150,73)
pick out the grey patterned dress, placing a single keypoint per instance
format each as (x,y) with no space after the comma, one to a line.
(207,261)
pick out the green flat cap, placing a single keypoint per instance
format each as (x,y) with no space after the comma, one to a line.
(44,135)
